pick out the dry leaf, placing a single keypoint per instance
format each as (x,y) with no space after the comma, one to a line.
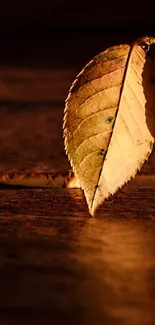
(109,121)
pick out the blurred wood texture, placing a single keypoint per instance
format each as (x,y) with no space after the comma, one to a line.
(60,266)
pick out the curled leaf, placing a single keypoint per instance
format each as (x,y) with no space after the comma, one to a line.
(109,121)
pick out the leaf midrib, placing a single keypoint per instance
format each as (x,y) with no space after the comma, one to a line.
(121,93)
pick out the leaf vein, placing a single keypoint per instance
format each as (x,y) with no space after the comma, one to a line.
(142,59)
(134,93)
(137,73)
(90,153)
(90,116)
(91,136)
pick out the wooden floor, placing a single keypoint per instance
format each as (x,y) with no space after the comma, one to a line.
(58,265)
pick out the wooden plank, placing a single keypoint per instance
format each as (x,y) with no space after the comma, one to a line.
(31,139)
(58,265)
(49,202)
(35,84)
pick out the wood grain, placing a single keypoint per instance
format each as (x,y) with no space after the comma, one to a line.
(58,265)
(34,85)
(31,138)
(49,202)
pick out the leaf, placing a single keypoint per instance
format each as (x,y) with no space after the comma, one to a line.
(108,121)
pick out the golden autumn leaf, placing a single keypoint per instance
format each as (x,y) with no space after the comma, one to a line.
(109,119)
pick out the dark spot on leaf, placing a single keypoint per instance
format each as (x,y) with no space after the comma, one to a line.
(101,152)
(96,186)
(109,119)
(139,143)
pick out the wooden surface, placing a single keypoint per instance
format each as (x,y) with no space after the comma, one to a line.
(60,266)
(31,138)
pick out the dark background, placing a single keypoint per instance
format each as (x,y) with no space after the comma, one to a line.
(56,33)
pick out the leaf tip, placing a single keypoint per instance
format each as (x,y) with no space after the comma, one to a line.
(92,211)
